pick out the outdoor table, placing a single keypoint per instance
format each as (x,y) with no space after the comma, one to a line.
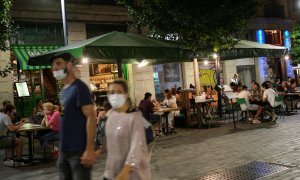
(200,105)
(165,112)
(29,128)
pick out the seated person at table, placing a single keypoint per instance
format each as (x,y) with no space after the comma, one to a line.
(38,112)
(293,87)
(269,100)
(51,120)
(282,90)
(147,106)
(170,102)
(276,83)
(246,94)
(9,142)
(256,95)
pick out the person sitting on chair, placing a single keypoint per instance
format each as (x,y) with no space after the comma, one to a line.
(9,142)
(269,100)
(252,107)
(51,120)
(147,106)
(170,102)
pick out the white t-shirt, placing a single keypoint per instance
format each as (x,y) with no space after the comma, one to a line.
(4,122)
(244,94)
(270,94)
(236,81)
(170,102)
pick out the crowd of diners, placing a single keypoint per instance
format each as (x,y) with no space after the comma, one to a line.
(262,98)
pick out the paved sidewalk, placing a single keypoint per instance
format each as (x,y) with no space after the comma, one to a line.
(193,153)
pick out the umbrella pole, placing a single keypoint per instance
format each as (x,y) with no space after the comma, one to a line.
(196,77)
(217,61)
(119,68)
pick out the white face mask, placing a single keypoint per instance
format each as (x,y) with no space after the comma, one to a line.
(116,100)
(60,74)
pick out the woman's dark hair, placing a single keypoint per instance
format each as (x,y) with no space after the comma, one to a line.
(167,90)
(122,83)
(9,108)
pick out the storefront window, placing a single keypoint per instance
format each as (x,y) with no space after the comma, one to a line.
(37,34)
(166,76)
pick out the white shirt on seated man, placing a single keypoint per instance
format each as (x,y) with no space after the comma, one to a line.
(245,93)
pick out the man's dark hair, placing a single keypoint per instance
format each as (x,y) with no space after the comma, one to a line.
(265,85)
(167,90)
(257,85)
(64,56)
(6,102)
(293,81)
(244,87)
(9,108)
(147,95)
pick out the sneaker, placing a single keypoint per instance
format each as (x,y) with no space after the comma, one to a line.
(250,119)
(274,118)
(21,163)
(9,163)
(255,121)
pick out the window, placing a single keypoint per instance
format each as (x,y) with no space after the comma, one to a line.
(273,37)
(38,34)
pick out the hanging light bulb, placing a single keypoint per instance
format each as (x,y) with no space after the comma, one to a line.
(85,60)
(215,55)
(286,57)
(205,62)
(143,63)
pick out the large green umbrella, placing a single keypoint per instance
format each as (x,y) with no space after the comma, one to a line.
(120,48)
(245,49)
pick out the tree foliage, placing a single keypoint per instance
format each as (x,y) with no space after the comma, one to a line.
(5,23)
(198,23)
(295,45)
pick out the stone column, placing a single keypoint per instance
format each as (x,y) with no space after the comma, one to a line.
(188,74)
(77,32)
(142,82)
(6,90)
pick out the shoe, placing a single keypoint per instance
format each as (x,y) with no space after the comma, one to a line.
(20,164)
(274,118)
(255,121)
(9,163)
(250,119)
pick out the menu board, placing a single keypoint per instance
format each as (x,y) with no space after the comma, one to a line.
(22,89)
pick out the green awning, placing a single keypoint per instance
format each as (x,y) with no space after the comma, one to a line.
(23,52)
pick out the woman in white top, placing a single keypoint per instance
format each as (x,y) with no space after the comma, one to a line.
(170,102)
(127,154)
